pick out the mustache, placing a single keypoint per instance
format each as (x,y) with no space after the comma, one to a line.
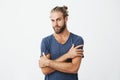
(56,26)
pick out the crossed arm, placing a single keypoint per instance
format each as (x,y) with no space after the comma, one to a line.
(48,66)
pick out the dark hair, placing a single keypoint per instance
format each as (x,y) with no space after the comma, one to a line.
(62,9)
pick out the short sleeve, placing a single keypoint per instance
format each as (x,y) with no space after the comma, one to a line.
(44,46)
(79,41)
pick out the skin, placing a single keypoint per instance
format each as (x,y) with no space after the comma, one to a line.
(61,34)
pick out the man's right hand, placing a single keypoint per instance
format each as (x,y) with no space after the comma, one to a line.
(75,51)
(42,60)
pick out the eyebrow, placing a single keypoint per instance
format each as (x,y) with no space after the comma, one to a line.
(56,19)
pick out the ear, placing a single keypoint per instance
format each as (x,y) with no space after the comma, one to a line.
(66,18)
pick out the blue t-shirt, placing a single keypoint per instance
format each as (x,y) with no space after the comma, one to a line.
(50,45)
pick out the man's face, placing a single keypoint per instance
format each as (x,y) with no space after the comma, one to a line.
(58,22)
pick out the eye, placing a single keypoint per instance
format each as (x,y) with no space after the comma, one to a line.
(52,20)
(59,19)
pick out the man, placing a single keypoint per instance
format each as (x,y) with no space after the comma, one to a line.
(61,52)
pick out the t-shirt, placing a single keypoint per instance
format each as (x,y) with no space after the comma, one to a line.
(50,45)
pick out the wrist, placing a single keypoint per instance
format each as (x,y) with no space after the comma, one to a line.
(68,55)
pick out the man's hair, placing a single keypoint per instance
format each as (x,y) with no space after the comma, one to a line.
(62,9)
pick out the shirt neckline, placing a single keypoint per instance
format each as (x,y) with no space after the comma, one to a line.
(65,42)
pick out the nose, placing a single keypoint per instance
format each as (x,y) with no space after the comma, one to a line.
(55,23)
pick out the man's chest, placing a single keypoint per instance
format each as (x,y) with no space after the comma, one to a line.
(57,50)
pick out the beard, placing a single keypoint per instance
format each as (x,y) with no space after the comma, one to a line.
(59,29)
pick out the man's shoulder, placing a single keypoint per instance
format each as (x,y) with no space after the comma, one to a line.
(47,38)
(76,36)
(77,39)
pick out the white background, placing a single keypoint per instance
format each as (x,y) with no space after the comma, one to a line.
(23,23)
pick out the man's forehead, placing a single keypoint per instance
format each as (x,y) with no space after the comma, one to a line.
(55,15)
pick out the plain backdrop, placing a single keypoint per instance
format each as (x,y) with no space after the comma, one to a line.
(23,23)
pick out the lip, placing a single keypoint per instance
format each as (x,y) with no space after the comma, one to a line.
(57,27)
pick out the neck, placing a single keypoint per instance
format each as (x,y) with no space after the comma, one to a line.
(62,37)
(65,33)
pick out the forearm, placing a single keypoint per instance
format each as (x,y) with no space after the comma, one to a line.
(62,58)
(67,67)
(48,70)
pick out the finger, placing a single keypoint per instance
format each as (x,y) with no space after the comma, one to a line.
(80,54)
(73,45)
(79,46)
(48,55)
(44,54)
(79,50)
